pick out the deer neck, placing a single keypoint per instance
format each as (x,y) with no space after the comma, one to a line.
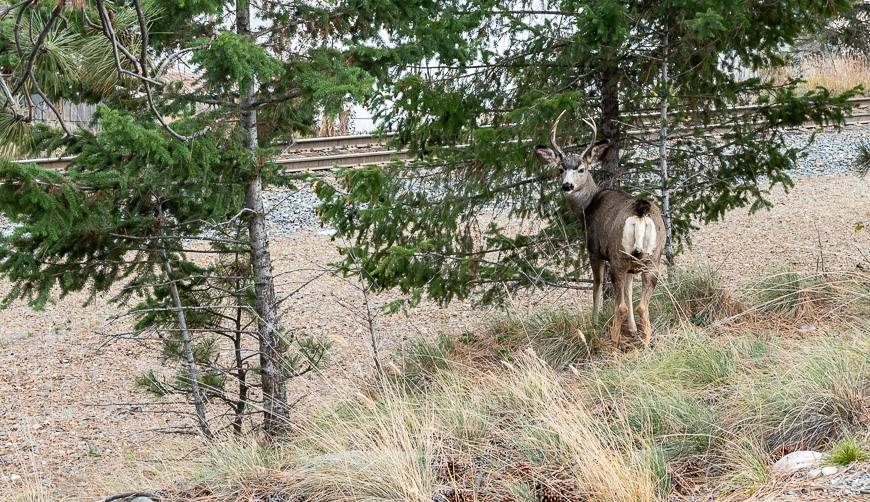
(579,200)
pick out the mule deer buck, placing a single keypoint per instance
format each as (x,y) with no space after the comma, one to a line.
(624,231)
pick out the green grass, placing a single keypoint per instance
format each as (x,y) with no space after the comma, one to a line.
(847,451)
(616,429)
(559,337)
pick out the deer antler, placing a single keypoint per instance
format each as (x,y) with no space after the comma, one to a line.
(591,123)
(553,135)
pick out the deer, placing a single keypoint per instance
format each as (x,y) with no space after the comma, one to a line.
(623,231)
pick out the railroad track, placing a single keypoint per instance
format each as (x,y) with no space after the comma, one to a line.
(326,153)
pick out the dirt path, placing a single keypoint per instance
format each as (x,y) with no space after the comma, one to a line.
(58,378)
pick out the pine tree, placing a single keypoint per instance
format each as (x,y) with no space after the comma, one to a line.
(190,104)
(472,88)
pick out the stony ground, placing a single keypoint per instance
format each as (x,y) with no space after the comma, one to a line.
(71,418)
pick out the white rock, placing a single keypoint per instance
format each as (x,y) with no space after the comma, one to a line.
(14,478)
(829,470)
(797,461)
(813,474)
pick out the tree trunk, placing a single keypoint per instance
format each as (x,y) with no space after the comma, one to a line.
(241,371)
(272,371)
(193,371)
(610,127)
(663,152)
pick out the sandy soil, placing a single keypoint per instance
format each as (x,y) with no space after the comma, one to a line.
(70,413)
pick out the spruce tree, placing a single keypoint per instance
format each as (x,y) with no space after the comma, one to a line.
(474,85)
(169,161)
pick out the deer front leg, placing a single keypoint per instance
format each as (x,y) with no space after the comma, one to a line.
(621,308)
(597,284)
(649,279)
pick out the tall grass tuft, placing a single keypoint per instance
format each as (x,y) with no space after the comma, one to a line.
(695,296)
(812,396)
(747,463)
(790,293)
(559,337)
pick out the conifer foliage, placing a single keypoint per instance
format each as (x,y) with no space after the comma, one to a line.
(476,86)
(162,205)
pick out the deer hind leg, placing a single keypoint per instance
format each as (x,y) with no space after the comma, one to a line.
(649,279)
(621,309)
(632,325)
(597,284)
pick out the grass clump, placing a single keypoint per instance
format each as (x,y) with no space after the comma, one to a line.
(747,463)
(695,296)
(422,359)
(846,452)
(790,293)
(559,337)
(815,394)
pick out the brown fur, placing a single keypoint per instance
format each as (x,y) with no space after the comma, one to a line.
(602,215)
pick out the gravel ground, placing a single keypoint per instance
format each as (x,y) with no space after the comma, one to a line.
(61,425)
(831,153)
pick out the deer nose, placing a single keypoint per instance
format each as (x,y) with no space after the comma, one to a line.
(567,186)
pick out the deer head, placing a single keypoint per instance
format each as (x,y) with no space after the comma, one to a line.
(573,167)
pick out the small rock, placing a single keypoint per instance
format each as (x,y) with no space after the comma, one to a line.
(813,474)
(806,328)
(829,470)
(797,461)
(14,478)
(142,499)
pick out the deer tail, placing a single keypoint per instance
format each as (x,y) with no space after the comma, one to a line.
(643,233)
(641,208)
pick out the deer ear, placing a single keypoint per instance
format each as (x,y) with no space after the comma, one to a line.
(545,155)
(598,151)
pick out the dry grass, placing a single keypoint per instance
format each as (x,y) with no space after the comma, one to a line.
(634,428)
(536,419)
(26,490)
(837,73)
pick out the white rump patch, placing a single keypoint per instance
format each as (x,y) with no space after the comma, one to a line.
(639,235)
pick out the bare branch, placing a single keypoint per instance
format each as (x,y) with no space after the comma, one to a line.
(50,105)
(277,99)
(161,67)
